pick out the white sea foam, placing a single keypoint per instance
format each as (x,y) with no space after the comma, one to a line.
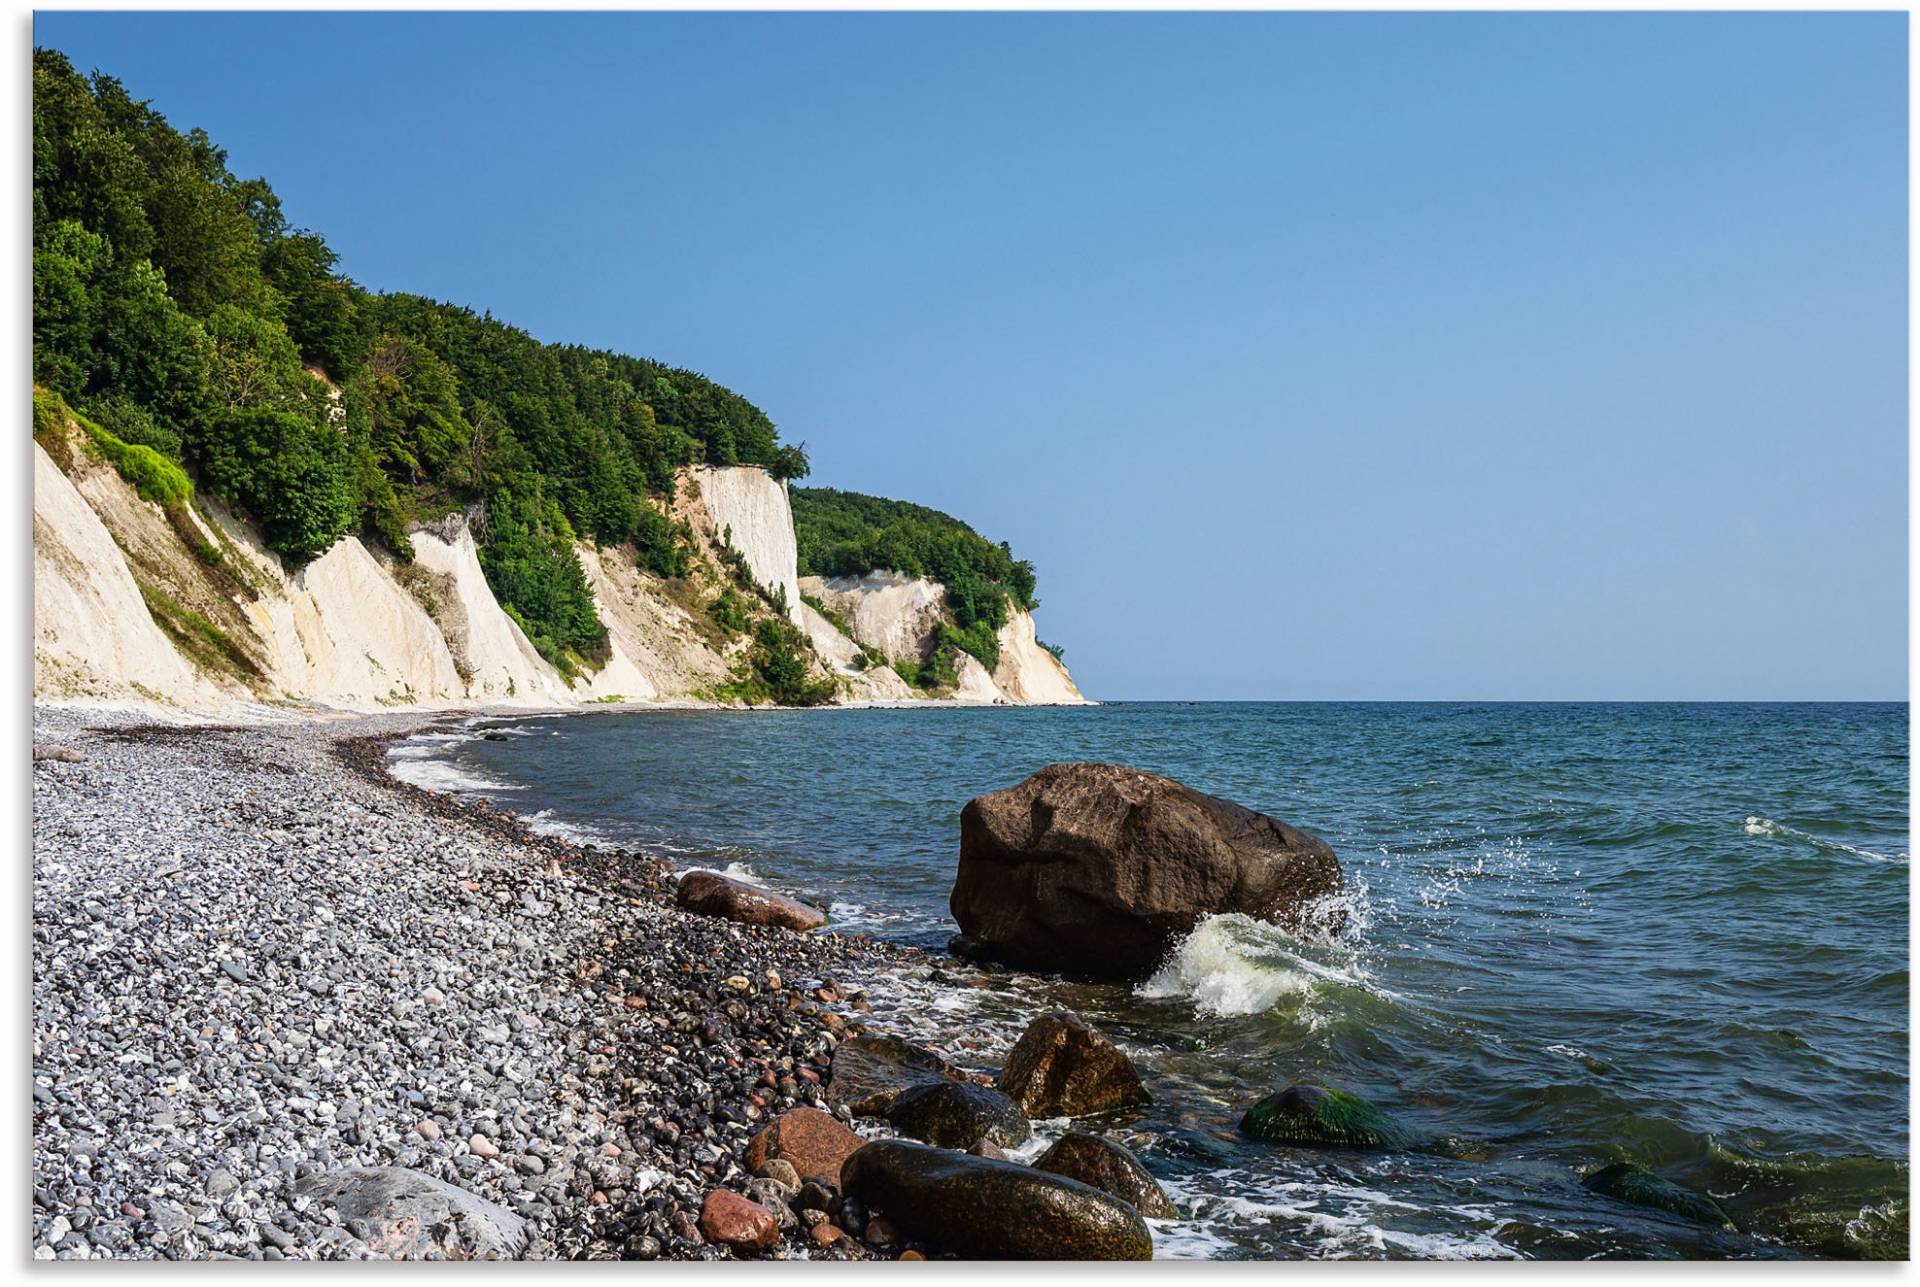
(1335,1219)
(1233,964)
(858,916)
(443,775)
(1758,826)
(545,824)
(736,870)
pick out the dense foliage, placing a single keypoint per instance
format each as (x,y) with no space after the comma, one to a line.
(847,534)
(177,308)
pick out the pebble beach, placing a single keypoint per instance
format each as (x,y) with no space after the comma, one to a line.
(259,960)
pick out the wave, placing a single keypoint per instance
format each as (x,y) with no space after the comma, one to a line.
(736,870)
(1321,1217)
(1233,964)
(545,824)
(442,775)
(1759,826)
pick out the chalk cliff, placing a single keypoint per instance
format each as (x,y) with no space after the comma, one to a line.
(898,616)
(186,607)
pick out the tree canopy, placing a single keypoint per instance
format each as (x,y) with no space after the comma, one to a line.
(176,306)
(847,534)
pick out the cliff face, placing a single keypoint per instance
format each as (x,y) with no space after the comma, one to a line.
(749,510)
(898,615)
(187,608)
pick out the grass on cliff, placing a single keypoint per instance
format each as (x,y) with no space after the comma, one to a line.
(206,645)
(149,473)
(775,670)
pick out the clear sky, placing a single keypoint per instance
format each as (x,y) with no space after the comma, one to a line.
(1308,356)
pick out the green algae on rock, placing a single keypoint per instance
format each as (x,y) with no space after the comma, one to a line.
(1632,1183)
(1314,1115)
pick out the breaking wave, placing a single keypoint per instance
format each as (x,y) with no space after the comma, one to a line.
(1759,826)
(1233,964)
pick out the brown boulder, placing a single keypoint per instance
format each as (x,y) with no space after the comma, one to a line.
(1109,1167)
(810,1140)
(1096,869)
(730,1220)
(869,1072)
(1061,1067)
(976,1207)
(711,894)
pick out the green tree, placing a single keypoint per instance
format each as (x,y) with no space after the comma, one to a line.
(290,474)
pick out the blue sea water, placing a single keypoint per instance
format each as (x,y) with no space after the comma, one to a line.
(1578,933)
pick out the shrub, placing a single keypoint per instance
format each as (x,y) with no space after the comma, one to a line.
(286,471)
(729,611)
(775,670)
(530,563)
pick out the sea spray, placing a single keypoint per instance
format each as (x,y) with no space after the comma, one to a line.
(1235,965)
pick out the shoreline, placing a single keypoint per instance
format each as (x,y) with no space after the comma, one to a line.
(259,956)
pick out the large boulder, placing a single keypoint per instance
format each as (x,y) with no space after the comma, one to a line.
(1096,869)
(869,1071)
(1061,1067)
(977,1207)
(958,1114)
(813,1142)
(1109,1167)
(1316,1117)
(410,1215)
(711,894)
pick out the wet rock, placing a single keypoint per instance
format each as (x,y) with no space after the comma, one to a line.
(411,1215)
(974,1206)
(958,1114)
(711,894)
(1109,1167)
(1097,869)
(1632,1183)
(868,1072)
(1061,1067)
(808,1139)
(782,1173)
(1316,1116)
(984,1147)
(731,1221)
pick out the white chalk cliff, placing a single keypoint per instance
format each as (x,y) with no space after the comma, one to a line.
(897,616)
(134,605)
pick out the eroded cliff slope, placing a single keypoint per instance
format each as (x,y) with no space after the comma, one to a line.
(182,605)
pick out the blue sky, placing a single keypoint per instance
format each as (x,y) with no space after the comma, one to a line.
(1308,356)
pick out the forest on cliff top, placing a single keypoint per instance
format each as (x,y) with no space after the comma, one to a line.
(196,329)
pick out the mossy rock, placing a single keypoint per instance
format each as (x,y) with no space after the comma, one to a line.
(1632,1183)
(1317,1117)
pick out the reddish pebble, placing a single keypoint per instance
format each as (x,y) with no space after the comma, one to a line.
(733,1221)
(598,1199)
(808,1074)
(826,1234)
(132,1212)
(636,1003)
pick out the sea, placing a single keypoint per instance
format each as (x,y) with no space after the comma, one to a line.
(1576,934)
